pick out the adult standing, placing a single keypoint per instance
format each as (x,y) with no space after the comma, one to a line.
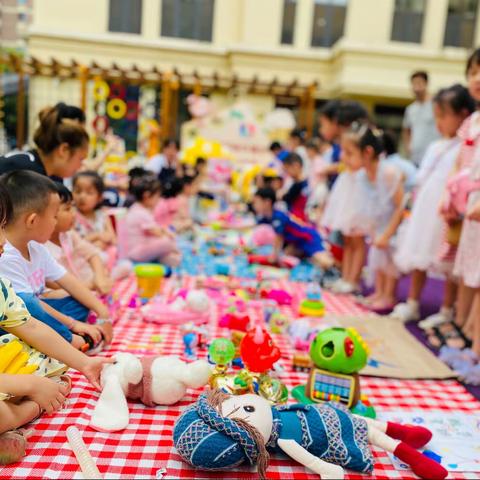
(61,144)
(166,164)
(419,128)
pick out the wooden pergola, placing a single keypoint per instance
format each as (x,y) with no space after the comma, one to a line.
(170,81)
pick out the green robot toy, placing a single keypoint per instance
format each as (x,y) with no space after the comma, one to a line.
(338,354)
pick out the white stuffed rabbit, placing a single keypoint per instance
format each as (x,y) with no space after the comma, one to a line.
(153,380)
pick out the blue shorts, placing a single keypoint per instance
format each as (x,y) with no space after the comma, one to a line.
(313,246)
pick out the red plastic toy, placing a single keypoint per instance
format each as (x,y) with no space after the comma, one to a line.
(258,351)
(280,296)
(235,322)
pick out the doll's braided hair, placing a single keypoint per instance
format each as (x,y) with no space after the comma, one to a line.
(215,398)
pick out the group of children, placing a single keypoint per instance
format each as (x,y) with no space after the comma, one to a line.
(61,252)
(353,189)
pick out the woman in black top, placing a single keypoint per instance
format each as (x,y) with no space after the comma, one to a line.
(61,141)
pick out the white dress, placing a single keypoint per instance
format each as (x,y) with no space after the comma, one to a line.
(343,210)
(378,209)
(421,237)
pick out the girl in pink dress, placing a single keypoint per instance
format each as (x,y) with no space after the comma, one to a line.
(466,328)
(146,241)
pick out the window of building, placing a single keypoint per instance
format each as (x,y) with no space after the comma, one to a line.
(288,22)
(125,16)
(408,20)
(328,22)
(460,27)
(191,19)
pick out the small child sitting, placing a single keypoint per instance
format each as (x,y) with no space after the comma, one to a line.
(297,195)
(24,397)
(146,240)
(304,239)
(29,266)
(77,255)
(92,222)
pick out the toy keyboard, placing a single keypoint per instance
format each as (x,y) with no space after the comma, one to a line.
(328,386)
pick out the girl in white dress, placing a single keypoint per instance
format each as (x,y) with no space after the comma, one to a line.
(421,236)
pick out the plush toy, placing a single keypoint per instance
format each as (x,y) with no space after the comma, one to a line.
(152,380)
(458,190)
(263,235)
(193,306)
(221,432)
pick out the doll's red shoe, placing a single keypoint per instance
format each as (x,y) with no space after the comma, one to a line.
(413,435)
(420,464)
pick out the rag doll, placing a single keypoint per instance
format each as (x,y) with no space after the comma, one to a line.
(152,380)
(220,432)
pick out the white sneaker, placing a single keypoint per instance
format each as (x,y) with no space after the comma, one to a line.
(406,311)
(443,316)
(343,287)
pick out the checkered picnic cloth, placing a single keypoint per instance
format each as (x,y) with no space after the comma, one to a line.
(144,449)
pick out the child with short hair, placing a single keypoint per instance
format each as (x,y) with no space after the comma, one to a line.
(92,222)
(29,266)
(297,194)
(147,240)
(24,397)
(290,230)
(77,255)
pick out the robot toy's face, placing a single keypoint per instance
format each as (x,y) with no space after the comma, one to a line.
(340,350)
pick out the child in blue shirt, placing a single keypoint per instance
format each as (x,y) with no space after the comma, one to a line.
(290,230)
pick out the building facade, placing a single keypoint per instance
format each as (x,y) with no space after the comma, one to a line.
(362,49)
(15,17)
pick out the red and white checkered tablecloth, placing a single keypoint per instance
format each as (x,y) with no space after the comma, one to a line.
(145,446)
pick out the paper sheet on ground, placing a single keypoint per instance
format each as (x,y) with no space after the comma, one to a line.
(456,438)
(395,352)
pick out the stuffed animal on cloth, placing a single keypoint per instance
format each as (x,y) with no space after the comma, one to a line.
(153,380)
(221,432)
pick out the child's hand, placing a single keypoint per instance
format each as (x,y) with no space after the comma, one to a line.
(473,212)
(93,369)
(48,394)
(103,284)
(92,330)
(382,242)
(107,330)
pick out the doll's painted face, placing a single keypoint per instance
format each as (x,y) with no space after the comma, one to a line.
(253,409)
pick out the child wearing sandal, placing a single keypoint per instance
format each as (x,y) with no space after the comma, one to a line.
(31,346)
(29,266)
(421,236)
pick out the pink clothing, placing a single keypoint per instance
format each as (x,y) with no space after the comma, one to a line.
(141,244)
(166,211)
(74,253)
(467,262)
(85,226)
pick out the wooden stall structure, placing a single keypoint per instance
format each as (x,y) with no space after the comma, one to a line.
(170,83)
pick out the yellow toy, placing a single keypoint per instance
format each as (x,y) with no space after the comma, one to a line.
(13,360)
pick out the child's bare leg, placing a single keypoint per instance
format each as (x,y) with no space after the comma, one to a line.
(358,259)
(417,282)
(464,303)
(347,258)
(13,415)
(390,289)
(469,325)
(450,293)
(377,292)
(475,318)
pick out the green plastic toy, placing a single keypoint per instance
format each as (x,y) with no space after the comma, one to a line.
(339,350)
(222,351)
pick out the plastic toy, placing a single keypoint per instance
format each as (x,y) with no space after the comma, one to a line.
(221,432)
(457,191)
(222,351)
(153,380)
(235,322)
(263,235)
(313,305)
(278,322)
(149,279)
(338,354)
(281,297)
(193,306)
(87,464)
(190,342)
(258,351)
(301,334)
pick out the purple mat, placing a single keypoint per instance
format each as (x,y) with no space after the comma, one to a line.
(430,303)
